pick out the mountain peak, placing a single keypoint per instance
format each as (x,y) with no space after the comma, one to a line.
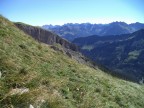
(118,23)
(72,31)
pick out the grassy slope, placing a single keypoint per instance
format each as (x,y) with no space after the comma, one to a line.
(54,80)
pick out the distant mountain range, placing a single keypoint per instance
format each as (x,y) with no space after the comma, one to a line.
(71,31)
(123,54)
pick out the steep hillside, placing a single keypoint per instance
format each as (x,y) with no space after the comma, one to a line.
(123,54)
(45,36)
(71,31)
(33,74)
(58,43)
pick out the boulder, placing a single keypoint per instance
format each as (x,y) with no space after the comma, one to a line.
(31,106)
(19,91)
(0,74)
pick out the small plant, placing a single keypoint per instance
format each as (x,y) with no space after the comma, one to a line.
(33,83)
(45,105)
(22,46)
(39,47)
(45,82)
(141,81)
(73,70)
(98,90)
(119,101)
(23,71)
(64,91)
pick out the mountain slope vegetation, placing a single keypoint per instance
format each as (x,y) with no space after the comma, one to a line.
(34,74)
(123,53)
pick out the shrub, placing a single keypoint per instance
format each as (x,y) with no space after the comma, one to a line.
(39,47)
(22,46)
(98,90)
(23,71)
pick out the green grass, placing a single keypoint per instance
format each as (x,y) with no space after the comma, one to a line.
(133,55)
(88,47)
(55,80)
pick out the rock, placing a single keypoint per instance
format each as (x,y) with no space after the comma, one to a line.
(56,48)
(141,81)
(31,106)
(0,74)
(19,91)
(69,54)
(24,90)
(42,100)
(77,89)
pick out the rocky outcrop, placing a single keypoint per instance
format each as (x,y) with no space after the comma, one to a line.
(45,36)
(50,38)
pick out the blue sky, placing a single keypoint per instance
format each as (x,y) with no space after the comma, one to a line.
(40,12)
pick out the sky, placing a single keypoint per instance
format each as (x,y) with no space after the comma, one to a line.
(58,12)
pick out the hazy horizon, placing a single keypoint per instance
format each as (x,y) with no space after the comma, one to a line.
(59,12)
(90,23)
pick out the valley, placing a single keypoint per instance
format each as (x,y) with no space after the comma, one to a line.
(122,54)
